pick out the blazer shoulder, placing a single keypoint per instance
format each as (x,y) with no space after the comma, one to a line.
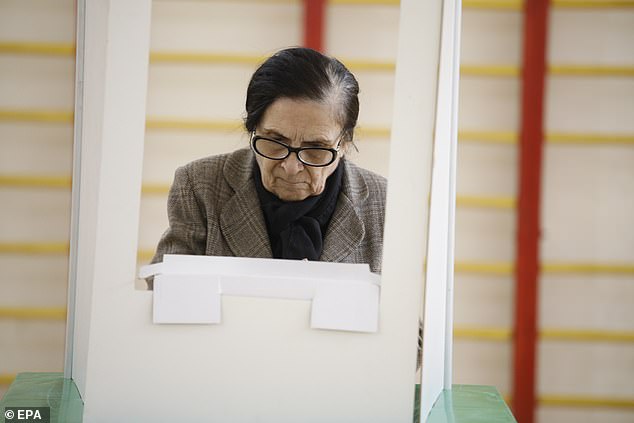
(361,180)
(203,169)
(230,168)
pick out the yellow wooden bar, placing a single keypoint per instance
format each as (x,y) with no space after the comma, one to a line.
(54,116)
(493,4)
(578,335)
(487,334)
(585,70)
(145,255)
(486,202)
(586,335)
(594,4)
(490,70)
(577,401)
(46,49)
(6,378)
(503,4)
(369,65)
(193,124)
(588,138)
(155,189)
(64,49)
(588,268)
(24,181)
(35,248)
(33,313)
(508,268)
(202,57)
(491,268)
(495,137)
(365,2)
(374,132)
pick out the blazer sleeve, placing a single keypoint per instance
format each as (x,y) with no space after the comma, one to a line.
(187,231)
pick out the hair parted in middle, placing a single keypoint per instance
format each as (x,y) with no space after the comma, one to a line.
(304,74)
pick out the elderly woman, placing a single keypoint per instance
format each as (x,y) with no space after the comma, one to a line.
(292,194)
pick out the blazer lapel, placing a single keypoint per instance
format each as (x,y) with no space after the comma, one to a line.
(346,229)
(241,220)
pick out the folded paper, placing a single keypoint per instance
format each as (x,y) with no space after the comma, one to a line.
(188,289)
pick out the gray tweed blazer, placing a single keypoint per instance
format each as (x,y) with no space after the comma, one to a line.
(213,209)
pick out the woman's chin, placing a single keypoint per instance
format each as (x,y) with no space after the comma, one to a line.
(292,195)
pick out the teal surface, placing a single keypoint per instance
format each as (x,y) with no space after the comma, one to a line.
(463,404)
(470,404)
(46,390)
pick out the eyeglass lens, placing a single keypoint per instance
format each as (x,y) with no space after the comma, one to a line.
(278,151)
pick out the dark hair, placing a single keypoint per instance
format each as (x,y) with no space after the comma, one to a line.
(303,73)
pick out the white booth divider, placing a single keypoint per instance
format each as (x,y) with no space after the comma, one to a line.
(263,363)
(438,313)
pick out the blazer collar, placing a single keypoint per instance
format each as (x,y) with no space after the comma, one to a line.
(242,221)
(346,229)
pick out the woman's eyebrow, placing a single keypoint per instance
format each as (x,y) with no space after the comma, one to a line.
(317,142)
(274,133)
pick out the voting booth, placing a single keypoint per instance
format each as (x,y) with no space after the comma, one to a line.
(253,340)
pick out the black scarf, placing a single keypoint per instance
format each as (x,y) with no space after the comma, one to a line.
(297,228)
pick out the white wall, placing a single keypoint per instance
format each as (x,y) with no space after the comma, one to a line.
(34,214)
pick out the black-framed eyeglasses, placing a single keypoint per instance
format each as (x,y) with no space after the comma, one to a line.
(277,150)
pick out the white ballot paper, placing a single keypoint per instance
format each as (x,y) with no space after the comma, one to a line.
(188,289)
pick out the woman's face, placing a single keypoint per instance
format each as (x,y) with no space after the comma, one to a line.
(298,123)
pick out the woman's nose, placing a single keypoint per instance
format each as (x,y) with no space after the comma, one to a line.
(292,165)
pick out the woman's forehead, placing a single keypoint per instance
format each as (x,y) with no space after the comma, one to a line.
(300,119)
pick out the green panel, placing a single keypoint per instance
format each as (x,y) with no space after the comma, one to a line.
(46,390)
(463,404)
(470,404)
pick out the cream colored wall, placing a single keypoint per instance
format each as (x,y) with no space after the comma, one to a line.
(587,201)
(34,214)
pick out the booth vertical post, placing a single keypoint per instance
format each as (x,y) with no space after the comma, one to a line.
(529,203)
(112,69)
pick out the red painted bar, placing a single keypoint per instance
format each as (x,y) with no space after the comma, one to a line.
(314,11)
(530,167)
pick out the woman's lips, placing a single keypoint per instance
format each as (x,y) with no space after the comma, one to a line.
(284,181)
